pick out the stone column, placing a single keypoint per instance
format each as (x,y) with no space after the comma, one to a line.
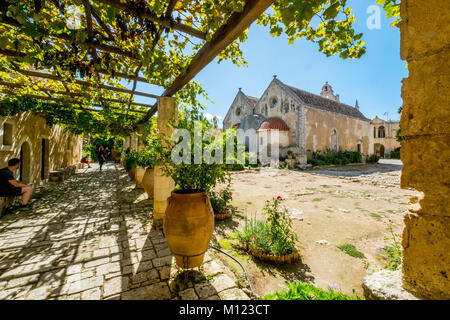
(167,110)
(425,122)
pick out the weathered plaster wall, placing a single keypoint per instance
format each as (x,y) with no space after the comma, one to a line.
(390,142)
(350,131)
(286,108)
(63,148)
(425,122)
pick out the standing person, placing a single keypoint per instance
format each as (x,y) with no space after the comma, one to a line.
(101,156)
(10,187)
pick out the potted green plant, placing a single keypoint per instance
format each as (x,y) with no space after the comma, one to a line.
(189,219)
(131,163)
(147,159)
(221,203)
(272,239)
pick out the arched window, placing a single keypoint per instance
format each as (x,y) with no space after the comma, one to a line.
(381,132)
(238,111)
(7,134)
(334,141)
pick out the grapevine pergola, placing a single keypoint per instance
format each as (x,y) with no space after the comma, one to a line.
(70,59)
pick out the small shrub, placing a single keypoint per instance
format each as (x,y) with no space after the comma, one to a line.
(351,251)
(306,291)
(274,235)
(91,151)
(329,157)
(221,200)
(395,154)
(373,159)
(131,160)
(147,158)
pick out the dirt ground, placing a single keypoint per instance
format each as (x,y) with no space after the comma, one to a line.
(329,207)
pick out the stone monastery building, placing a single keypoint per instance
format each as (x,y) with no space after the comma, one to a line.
(305,121)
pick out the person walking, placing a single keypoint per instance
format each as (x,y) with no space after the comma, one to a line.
(101,156)
(107,154)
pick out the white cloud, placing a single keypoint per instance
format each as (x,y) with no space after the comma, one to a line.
(209,116)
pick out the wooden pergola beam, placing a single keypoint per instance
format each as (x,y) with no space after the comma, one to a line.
(83,83)
(65,101)
(89,110)
(224,36)
(14,53)
(74,94)
(160,20)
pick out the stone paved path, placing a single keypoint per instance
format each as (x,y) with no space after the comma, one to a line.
(90,237)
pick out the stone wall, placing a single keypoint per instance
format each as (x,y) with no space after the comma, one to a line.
(389,142)
(232,117)
(28,131)
(286,108)
(350,131)
(425,122)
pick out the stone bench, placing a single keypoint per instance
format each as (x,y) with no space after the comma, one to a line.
(63,173)
(6,202)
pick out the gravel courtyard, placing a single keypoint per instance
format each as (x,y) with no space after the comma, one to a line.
(329,207)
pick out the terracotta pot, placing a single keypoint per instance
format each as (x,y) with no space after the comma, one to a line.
(148,181)
(188,227)
(132,173)
(223,216)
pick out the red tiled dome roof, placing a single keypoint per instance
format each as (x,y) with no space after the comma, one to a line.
(274,124)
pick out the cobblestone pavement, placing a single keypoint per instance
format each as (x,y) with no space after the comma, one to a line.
(91,237)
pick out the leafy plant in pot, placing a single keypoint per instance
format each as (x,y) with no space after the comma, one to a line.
(189,219)
(147,159)
(221,203)
(131,159)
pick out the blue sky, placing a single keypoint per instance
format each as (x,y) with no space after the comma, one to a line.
(375,79)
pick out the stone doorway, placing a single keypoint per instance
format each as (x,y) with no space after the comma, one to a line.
(25,163)
(379,150)
(44,159)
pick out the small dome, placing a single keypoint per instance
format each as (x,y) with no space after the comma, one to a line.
(251,121)
(274,124)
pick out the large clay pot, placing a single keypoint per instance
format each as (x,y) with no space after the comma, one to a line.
(188,227)
(132,173)
(138,177)
(148,181)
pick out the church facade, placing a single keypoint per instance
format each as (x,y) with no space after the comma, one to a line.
(304,122)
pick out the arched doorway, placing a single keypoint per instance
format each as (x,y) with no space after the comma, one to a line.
(25,163)
(379,150)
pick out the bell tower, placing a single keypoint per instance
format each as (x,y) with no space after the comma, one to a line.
(327,92)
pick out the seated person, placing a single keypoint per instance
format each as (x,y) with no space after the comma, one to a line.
(10,187)
(85,159)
